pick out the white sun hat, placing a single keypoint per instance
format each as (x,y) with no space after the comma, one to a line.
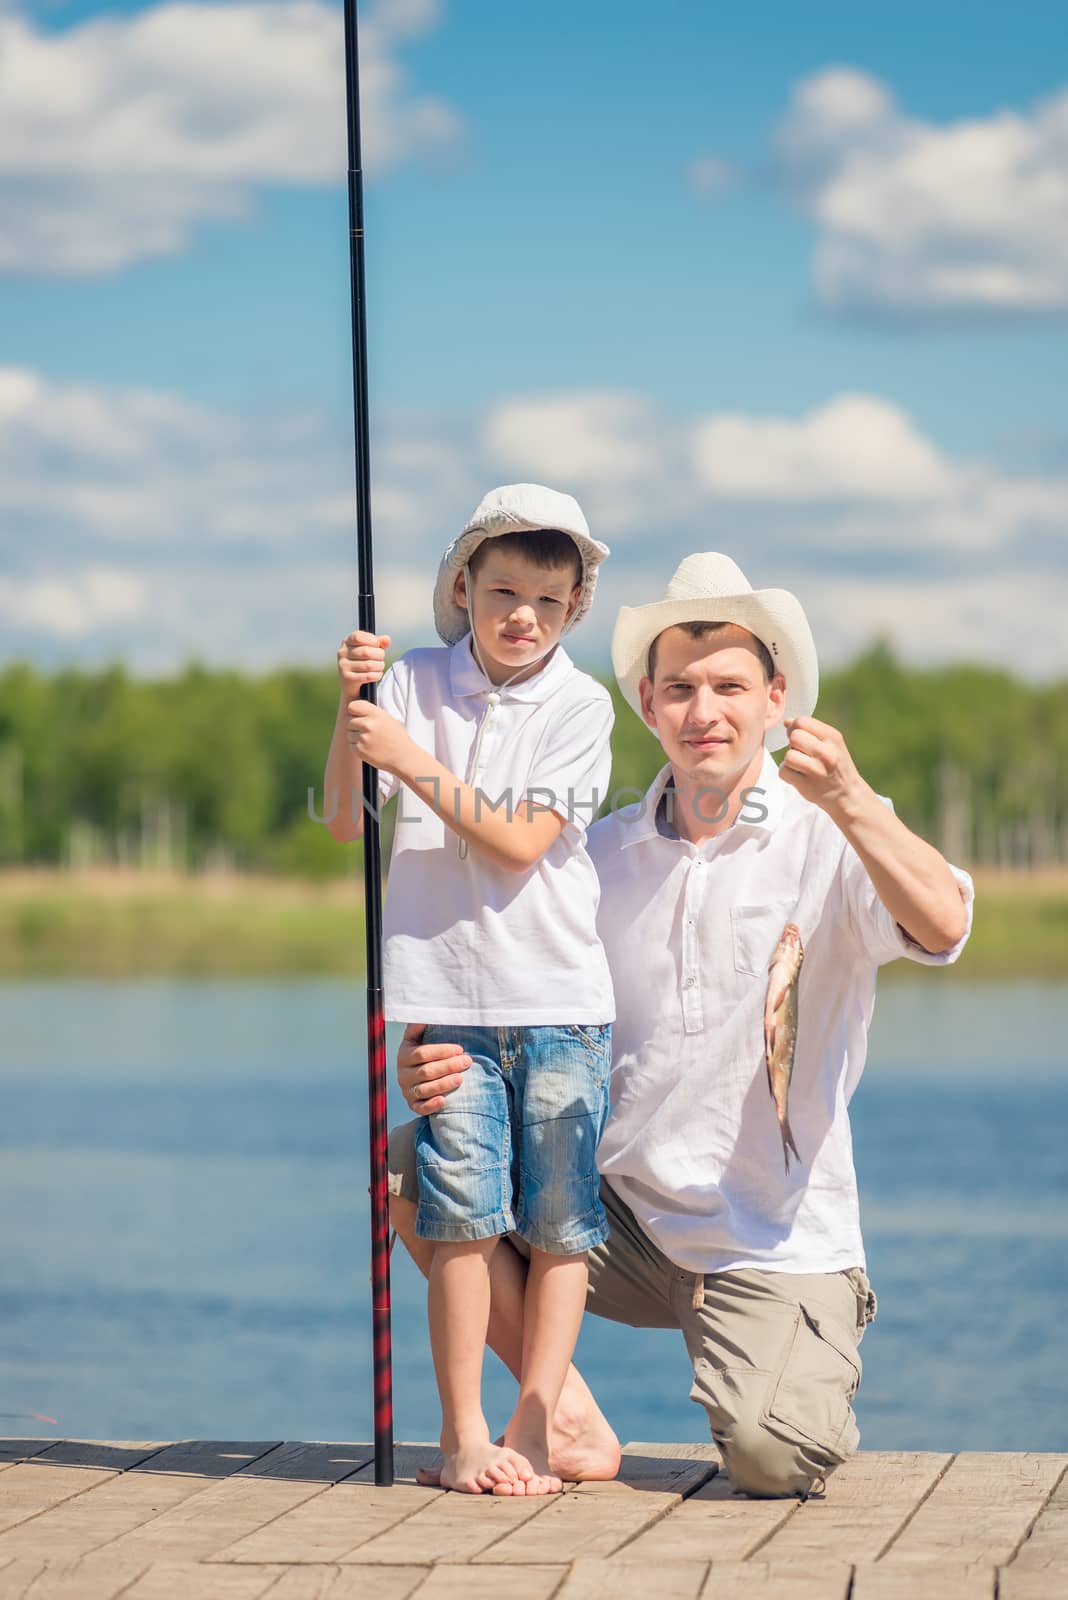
(709,587)
(514,508)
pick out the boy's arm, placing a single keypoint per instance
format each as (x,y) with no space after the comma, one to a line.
(515,837)
(361,659)
(912,879)
(519,833)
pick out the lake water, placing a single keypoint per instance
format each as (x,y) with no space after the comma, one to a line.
(184,1240)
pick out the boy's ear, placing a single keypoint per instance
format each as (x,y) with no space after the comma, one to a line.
(459,590)
(572,604)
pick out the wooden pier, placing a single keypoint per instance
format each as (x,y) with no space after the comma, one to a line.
(235,1521)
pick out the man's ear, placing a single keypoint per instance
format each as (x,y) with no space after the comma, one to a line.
(776,701)
(645,695)
(459,589)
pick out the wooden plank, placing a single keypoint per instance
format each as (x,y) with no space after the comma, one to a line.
(118,1455)
(407,1458)
(342,1583)
(310,1463)
(217,1516)
(208,1458)
(664,1468)
(936,1581)
(766,1580)
(65,1580)
(1046,1546)
(451,1527)
(187,1580)
(332,1524)
(27,1489)
(103,1513)
(711,1525)
(489,1583)
(607,1580)
(867,1504)
(979,1511)
(23,1449)
(595,1519)
(1032,1583)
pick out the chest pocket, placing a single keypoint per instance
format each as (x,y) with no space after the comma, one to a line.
(755,931)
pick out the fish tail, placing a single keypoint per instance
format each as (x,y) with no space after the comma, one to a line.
(788,1141)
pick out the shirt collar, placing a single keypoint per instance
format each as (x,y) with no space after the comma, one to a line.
(643,823)
(467,678)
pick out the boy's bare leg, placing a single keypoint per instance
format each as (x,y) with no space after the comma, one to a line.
(458,1305)
(555,1300)
(582,1443)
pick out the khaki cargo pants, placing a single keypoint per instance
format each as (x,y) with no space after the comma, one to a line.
(774,1354)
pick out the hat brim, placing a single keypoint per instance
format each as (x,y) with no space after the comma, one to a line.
(774,616)
(451,619)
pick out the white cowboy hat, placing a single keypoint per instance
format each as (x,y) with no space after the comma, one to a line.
(711,588)
(511,509)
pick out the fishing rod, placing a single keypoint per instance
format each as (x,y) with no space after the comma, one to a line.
(382,1343)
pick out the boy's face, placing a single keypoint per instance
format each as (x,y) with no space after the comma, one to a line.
(709,704)
(520,609)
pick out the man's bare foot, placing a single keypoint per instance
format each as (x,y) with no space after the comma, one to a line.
(582,1446)
(478,1467)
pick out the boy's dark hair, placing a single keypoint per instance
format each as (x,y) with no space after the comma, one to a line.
(698,630)
(545,547)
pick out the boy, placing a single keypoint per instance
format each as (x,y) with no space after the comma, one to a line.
(501,745)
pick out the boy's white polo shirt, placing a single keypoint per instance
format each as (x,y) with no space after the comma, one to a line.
(692,1143)
(467,941)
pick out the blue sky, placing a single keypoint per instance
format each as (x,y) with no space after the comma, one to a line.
(788,281)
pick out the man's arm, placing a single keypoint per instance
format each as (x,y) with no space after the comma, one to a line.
(428,1073)
(911,878)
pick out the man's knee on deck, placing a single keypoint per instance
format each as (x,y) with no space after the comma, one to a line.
(764,1466)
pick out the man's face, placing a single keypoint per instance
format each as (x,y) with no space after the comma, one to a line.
(520,609)
(709,704)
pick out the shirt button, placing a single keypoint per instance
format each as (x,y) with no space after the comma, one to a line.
(689,982)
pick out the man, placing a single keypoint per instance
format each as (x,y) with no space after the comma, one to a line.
(727,1161)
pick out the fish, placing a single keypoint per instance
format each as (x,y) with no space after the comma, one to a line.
(780,1028)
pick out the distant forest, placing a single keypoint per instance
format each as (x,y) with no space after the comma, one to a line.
(211,769)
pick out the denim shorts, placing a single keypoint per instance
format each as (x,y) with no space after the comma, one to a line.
(515,1148)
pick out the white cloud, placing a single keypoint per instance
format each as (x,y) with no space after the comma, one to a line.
(120,136)
(858,447)
(73,608)
(919,218)
(711,176)
(140,526)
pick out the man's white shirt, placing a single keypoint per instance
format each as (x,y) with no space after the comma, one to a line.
(465,940)
(692,1143)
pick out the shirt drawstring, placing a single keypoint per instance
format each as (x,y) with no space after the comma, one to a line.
(698,1292)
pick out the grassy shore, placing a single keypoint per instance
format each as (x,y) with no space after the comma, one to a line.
(131,924)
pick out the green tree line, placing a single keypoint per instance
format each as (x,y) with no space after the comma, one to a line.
(213,768)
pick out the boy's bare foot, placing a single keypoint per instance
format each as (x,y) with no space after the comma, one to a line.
(478,1467)
(583,1448)
(532,1448)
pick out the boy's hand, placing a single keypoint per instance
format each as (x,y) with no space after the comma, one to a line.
(361,658)
(428,1073)
(818,765)
(377,738)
